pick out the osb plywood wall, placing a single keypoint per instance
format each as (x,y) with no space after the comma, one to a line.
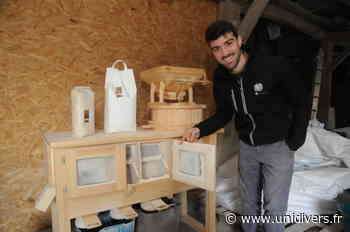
(49,46)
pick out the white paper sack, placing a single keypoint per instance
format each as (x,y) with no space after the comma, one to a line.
(327,143)
(318,177)
(322,182)
(312,207)
(322,148)
(310,204)
(120,99)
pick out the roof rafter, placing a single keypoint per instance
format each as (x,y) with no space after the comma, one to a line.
(281,15)
(302,12)
(252,16)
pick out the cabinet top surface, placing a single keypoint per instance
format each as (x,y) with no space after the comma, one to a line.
(65,139)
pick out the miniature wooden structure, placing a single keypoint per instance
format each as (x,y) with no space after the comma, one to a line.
(114,171)
(173,88)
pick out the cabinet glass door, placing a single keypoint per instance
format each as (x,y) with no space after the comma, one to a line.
(194,164)
(95,170)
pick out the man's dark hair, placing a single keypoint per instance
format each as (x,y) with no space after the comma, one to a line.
(219,28)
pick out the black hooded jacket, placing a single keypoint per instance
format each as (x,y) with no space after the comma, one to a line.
(267,100)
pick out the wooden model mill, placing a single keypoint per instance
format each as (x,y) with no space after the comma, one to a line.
(172,106)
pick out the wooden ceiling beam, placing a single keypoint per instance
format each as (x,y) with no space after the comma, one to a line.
(302,12)
(280,15)
(324,102)
(287,17)
(339,59)
(251,18)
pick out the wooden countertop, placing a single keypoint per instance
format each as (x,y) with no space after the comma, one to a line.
(65,139)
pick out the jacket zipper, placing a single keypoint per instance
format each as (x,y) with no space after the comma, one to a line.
(246,112)
(234,100)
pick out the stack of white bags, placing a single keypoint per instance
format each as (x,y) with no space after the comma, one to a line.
(321,172)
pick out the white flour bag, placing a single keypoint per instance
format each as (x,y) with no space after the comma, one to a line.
(120,99)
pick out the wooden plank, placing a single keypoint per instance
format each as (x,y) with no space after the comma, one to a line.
(54,217)
(210,208)
(189,220)
(341,58)
(280,15)
(326,84)
(184,205)
(194,224)
(62,219)
(136,194)
(213,138)
(65,139)
(49,163)
(317,83)
(251,18)
(88,221)
(210,211)
(303,13)
(45,198)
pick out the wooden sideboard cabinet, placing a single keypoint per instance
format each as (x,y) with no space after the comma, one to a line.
(105,171)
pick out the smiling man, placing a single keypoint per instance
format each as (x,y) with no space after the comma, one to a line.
(267,100)
(227,51)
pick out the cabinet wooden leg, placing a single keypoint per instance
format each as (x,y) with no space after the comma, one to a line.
(210,212)
(183,200)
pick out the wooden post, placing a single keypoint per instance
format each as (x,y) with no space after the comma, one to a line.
(210,211)
(190,95)
(161,91)
(326,83)
(317,83)
(59,212)
(153,92)
(210,208)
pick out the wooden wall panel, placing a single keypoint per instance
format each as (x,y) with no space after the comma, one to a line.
(49,46)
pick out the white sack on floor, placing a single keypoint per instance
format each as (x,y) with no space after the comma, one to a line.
(227,185)
(322,146)
(318,176)
(345,130)
(310,205)
(321,182)
(313,191)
